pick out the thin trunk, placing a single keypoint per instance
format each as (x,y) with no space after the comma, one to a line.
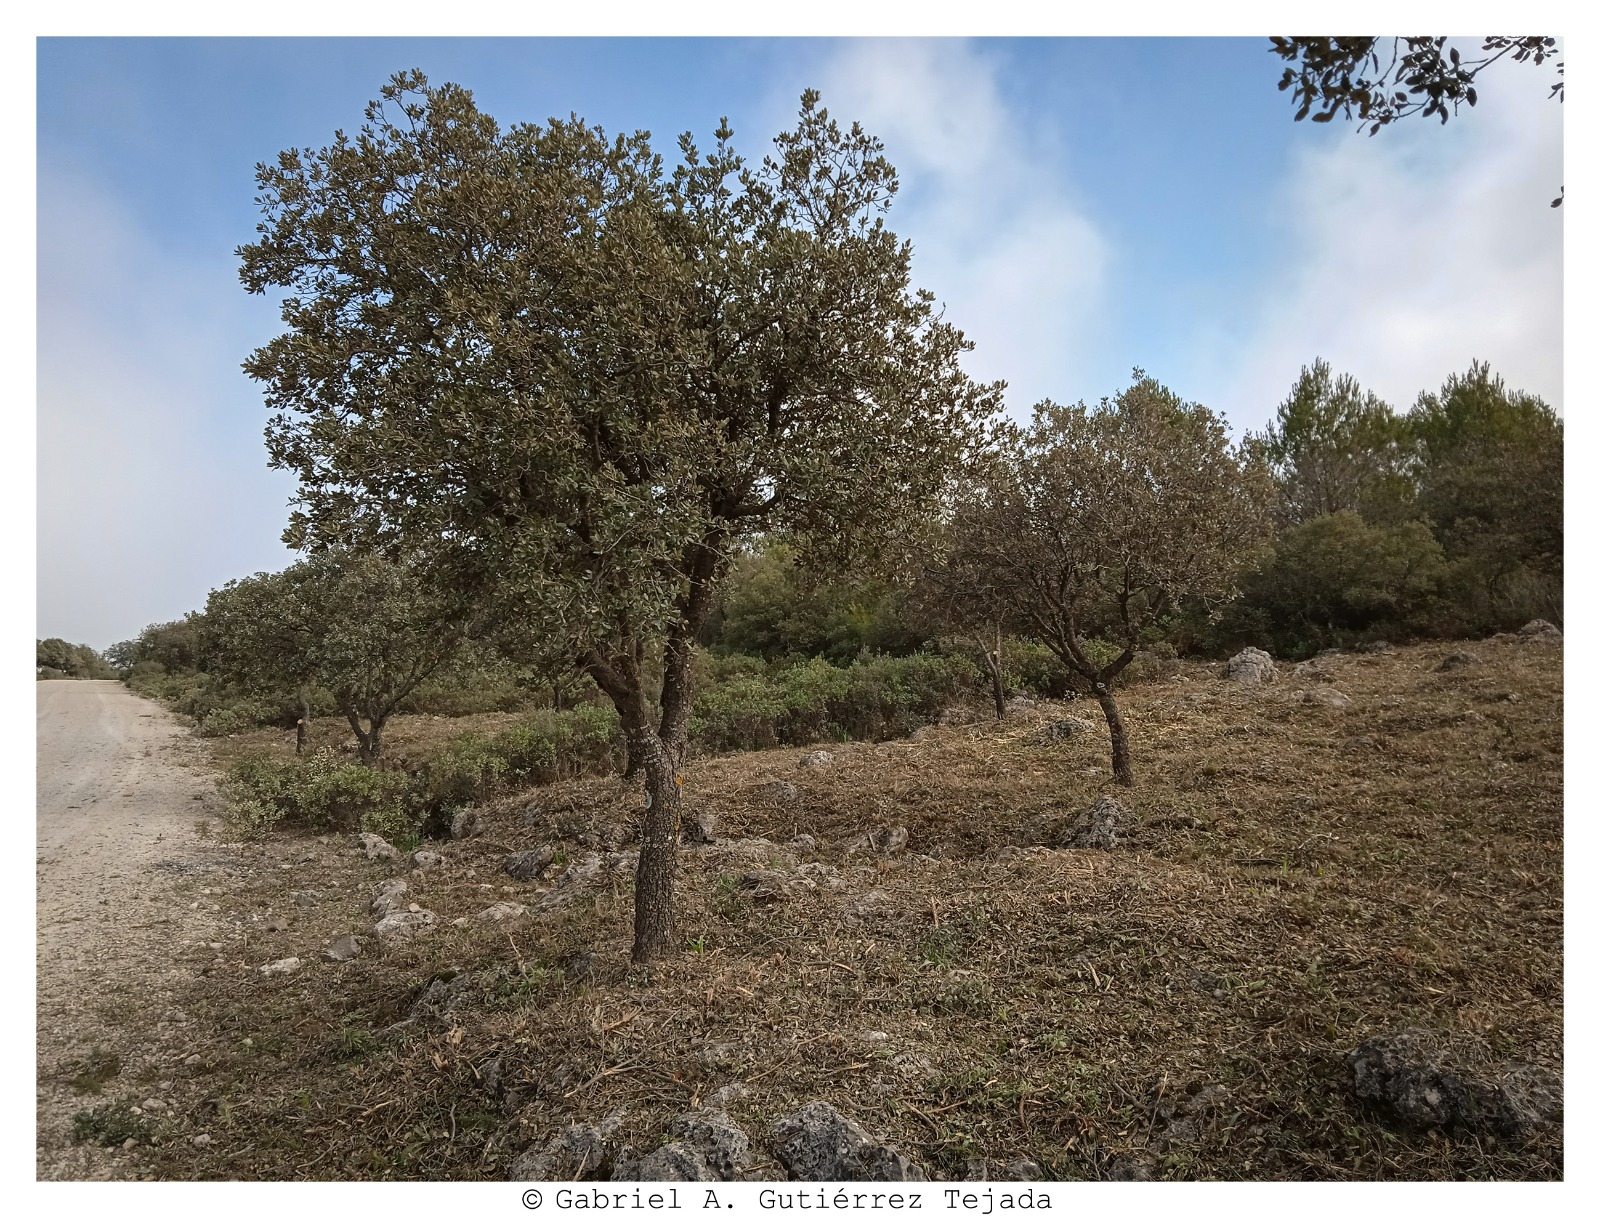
(301,723)
(1121,763)
(654,918)
(991,661)
(370,740)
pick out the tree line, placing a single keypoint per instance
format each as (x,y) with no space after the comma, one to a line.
(558,411)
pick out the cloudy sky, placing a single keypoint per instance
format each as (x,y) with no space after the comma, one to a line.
(1080,206)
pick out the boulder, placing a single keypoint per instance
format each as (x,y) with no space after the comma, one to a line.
(816,760)
(1250,667)
(376,849)
(421,860)
(817,1142)
(1539,631)
(466,823)
(400,926)
(1104,825)
(1458,659)
(582,1152)
(345,947)
(503,911)
(1408,1080)
(289,964)
(390,896)
(1323,696)
(527,865)
(1068,727)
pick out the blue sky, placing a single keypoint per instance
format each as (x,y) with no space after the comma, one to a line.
(1080,205)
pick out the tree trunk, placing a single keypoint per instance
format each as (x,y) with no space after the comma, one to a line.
(654,921)
(1121,763)
(991,660)
(370,740)
(301,723)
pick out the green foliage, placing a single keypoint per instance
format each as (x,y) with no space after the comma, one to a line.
(317,794)
(1333,447)
(57,659)
(773,610)
(873,699)
(109,1125)
(1336,580)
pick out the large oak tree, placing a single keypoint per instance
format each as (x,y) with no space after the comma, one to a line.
(570,381)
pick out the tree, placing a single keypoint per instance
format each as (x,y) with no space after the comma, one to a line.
(362,627)
(570,383)
(1422,76)
(1091,524)
(1334,448)
(1489,477)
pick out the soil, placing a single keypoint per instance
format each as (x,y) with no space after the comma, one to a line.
(1299,877)
(121,788)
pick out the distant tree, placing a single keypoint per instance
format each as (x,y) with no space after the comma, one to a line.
(1335,448)
(1378,81)
(1091,524)
(363,627)
(1489,472)
(572,383)
(76,660)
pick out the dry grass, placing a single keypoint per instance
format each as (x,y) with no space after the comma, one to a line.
(1300,878)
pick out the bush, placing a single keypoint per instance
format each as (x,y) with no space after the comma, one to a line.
(318,794)
(1336,580)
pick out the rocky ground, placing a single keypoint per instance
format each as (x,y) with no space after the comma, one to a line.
(1321,938)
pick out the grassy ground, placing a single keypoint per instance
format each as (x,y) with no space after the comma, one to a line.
(1300,878)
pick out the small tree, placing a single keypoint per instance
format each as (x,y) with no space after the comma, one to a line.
(364,628)
(575,383)
(1091,524)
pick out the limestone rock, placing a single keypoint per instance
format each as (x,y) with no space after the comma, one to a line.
(1331,698)
(582,1152)
(391,895)
(398,927)
(277,968)
(1104,825)
(1068,727)
(1250,667)
(527,865)
(466,823)
(345,947)
(1539,631)
(421,860)
(816,760)
(378,850)
(817,1142)
(503,911)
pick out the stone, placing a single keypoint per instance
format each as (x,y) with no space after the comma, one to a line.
(1331,698)
(466,823)
(672,1162)
(277,923)
(571,882)
(1251,667)
(1376,647)
(1458,659)
(956,716)
(765,887)
(804,843)
(818,1142)
(721,1144)
(698,827)
(192,1060)
(390,896)
(1409,1081)
(1104,825)
(816,760)
(1132,1167)
(288,964)
(1068,727)
(582,1152)
(1020,704)
(345,947)
(889,839)
(421,860)
(398,927)
(307,899)
(783,792)
(378,850)
(1539,631)
(200,1139)
(527,865)
(503,911)
(154,1105)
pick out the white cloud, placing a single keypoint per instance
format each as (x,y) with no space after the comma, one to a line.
(152,479)
(996,233)
(1413,252)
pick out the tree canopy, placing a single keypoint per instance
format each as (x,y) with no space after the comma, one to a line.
(571,381)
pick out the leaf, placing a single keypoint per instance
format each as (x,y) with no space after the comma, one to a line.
(1325,116)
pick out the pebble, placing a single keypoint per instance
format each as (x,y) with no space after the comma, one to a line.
(192,1060)
(201,1139)
(154,1105)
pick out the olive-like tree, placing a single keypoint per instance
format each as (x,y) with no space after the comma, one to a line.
(364,628)
(1090,524)
(569,382)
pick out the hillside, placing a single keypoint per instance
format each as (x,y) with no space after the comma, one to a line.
(1294,877)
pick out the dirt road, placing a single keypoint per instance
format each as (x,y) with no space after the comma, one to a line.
(120,865)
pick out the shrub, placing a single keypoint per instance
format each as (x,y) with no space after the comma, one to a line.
(317,794)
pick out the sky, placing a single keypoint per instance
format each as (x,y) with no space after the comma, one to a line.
(1080,206)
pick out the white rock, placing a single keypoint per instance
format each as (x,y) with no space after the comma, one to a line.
(287,965)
